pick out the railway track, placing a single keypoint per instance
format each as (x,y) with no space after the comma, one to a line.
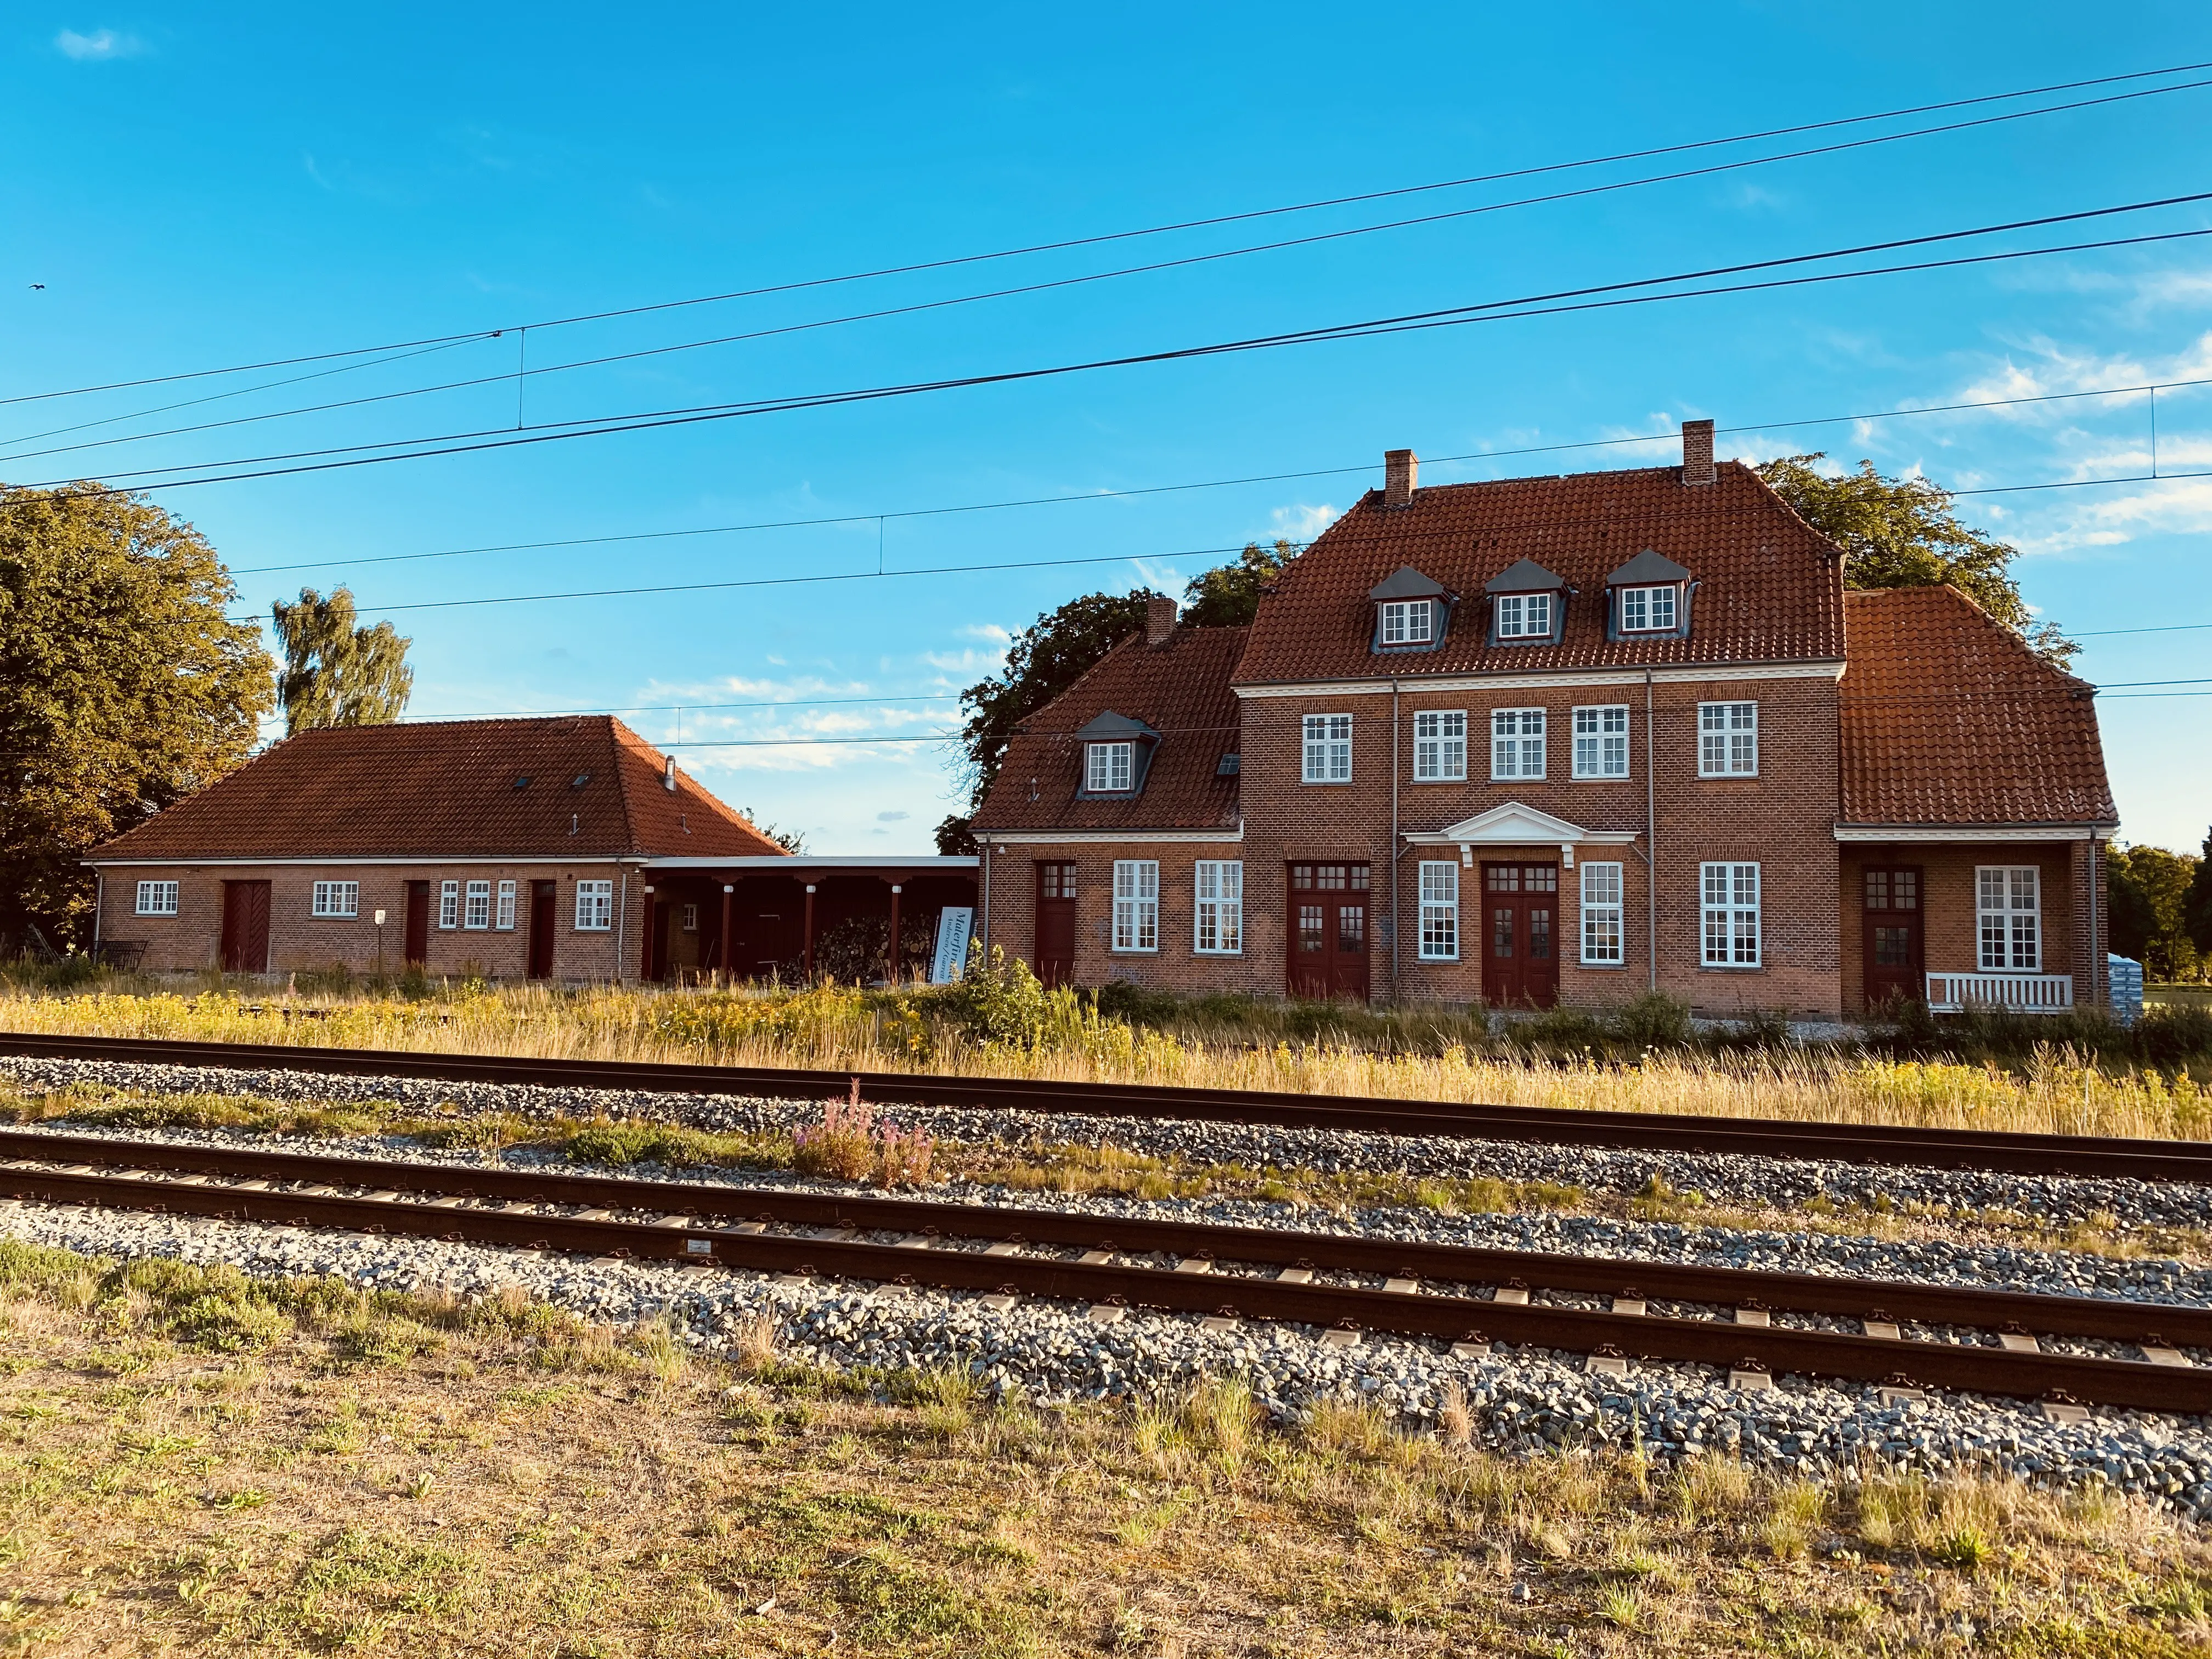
(2023,1154)
(1466,1297)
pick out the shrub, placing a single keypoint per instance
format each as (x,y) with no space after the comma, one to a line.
(1654,1020)
(999,1000)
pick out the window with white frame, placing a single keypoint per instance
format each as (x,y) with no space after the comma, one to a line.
(449,904)
(1327,748)
(1602,941)
(475,915)
(690,918)
(1439,912)
(1647,610)
(1219,927)
(1136,904)
(335,898)
(502,915)
(1727,740)
(1516,743)
(1524,615)
(157,898)
(1110,768)
(1440,745)
(1601,741)
(2008,906)
(595,907)
(1729,900)
(1408,622)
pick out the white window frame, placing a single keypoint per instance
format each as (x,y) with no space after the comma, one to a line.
(595,907)
(1604,938)
(502,915)
(157,898)
(1217,928)
(1601,740)
(1438,887)
(449,906)
(2008,918)
(1517,739)
(1440,745)
(1517,616)
(691,919)
(1408,622)
(1137,906)
(335,899)
(1649,602)
(1729,907)
(1727,740)
(1327,748)
(475,907)
(1110,769)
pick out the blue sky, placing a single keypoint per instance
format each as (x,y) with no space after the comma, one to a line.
(196,188)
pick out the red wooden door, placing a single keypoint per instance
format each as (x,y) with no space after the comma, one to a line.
(1328,911)
(1892,942)
(245,928)
(1520,935)
(417,947)
(541,930)
(1055,923)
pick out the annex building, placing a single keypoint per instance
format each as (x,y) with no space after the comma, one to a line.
(1566,739)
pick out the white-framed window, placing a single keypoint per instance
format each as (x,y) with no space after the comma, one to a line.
(1440,745)
(1110,767)
(1524,615)
(690,918)
(2009,909)
(1729,899)
(1516,743)
(1439,912)
(1408,622)
(1136,904)
(157,898)
(1327,748)
(1647,610)
(449,904)
(1602,941)
(1601,741)
(502,915)
(476,914)
(595,907)
(336,898)
(1727,740)
(1219,927)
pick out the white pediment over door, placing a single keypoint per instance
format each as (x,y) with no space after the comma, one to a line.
(1513,824)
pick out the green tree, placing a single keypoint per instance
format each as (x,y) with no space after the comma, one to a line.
(791,840)
(2197,905)
(2149,888)
(1228,596)
(336,672)
(1904,533)
(124,687)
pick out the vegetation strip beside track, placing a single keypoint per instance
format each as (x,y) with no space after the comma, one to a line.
(143,1176)
(2023,1154)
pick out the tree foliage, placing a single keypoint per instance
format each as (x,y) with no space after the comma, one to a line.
(2197,905)
(791,840)
(336,672)
(2148,889)
(124,687)
(1904,533)
(1228,596)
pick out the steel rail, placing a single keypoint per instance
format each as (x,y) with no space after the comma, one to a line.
(2017,1153)
(140,1176)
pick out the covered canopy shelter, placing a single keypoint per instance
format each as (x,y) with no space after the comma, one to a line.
(797,917)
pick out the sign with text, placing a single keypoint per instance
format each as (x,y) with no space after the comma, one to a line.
(954,924)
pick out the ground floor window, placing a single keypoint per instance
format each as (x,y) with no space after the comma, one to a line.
(595,906)
(1218,929)
(503,916)
(2008,905)
(1439,912)
(336,898)
(157,898)
(1730,904)
(1136,904)
(449,904)
(1602,941)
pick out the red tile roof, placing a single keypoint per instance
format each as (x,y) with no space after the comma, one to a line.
(1949,718)
(1180,688)
(448,789)
(1770,587)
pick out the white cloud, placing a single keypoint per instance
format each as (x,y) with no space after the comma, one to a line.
(98,47)
(1161,576)
(892,817)
(1303,523)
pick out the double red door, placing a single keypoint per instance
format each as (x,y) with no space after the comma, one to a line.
(1055,959)
(1329,910)
(1520,935)
(1892,941)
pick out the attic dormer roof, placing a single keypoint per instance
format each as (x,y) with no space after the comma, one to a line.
(1648,568)
(1107,725)
(1523,576)
(1405,583)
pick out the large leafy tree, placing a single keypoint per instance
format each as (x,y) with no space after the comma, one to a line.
(1228,596)
(1904,533)
(336,672)
(2149,889)
(124,687)
(2197,905)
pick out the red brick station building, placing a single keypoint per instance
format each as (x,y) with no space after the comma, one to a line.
(1567,739)
(1556,739)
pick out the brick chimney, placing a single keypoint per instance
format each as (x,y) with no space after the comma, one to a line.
(1697,451)
(1159,619)
(1402,471)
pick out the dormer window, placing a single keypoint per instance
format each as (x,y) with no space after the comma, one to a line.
(1522,617)
(1409,622)
(1110,768)
(1527,604)
(1117,752)
(1648,598)
(1411,610)
(1647,610)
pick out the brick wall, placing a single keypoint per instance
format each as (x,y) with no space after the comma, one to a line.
(1949,940)
(191,940)
(1258,969)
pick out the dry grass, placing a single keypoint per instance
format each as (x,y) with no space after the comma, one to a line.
(384,1475)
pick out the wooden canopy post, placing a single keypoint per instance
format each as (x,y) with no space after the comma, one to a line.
(891,967)
(729,962)
(645,939)
(807,928)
